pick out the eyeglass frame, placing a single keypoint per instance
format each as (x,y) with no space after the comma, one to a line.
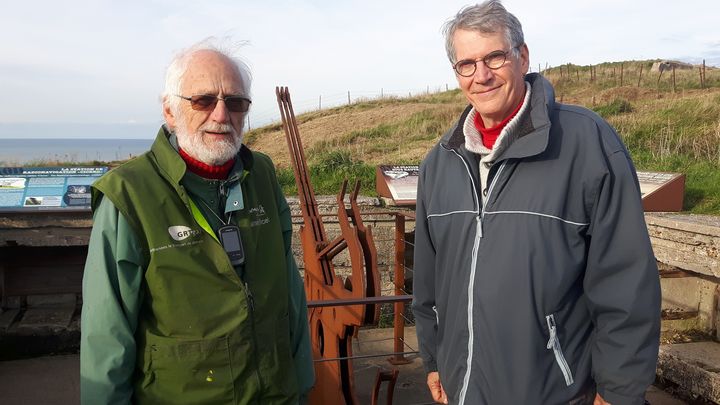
(484,60)
(212,106)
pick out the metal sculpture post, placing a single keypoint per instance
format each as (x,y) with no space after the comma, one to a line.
(332,328)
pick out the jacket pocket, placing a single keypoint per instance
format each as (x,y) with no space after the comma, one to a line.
(554,344)
(189,372)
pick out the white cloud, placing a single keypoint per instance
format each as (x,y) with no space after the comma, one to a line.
(106,58)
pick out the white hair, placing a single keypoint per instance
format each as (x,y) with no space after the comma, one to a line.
(179,65)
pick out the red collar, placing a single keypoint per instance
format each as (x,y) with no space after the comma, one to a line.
(205,170)
(490,135)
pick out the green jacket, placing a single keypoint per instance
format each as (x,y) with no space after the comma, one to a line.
(158,327)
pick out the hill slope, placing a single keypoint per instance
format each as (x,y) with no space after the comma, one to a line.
(666,127)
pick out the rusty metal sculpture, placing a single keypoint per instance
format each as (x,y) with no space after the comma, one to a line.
(332,328)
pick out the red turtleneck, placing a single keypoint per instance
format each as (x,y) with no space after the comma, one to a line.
(205,170)
(490,135)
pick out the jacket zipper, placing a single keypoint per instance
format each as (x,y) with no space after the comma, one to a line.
(251,314)
(471,284)
(554,344)
(490,191)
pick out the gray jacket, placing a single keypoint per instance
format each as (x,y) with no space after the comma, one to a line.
(549,290)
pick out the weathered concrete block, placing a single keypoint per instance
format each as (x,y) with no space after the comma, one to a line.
(693,366)
(52,300)
(689,242)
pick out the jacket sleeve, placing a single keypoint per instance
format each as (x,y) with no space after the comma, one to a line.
(299,327)
(623,288)
(111,303)
(423,304)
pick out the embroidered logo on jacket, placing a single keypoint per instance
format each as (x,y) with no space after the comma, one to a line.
(180,233)
(258,216)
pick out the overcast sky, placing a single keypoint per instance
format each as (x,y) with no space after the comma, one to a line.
(76,68)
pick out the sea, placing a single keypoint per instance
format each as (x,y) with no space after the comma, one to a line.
(16,152)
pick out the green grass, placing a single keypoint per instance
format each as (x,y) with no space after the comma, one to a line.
(617,106)
(702,179)
(328,173)
(665,129)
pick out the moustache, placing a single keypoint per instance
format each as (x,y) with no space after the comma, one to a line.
(217,127)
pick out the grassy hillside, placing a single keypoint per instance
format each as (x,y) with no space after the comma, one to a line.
(666,128)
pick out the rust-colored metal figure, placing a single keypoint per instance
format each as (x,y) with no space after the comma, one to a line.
(332,328)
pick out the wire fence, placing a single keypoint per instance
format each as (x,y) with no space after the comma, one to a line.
(306,104)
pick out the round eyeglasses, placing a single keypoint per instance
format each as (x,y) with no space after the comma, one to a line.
(494,60)
(207,102)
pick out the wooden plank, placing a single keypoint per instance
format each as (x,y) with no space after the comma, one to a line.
(674,315)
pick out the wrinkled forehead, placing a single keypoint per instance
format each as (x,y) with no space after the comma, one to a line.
(209,72)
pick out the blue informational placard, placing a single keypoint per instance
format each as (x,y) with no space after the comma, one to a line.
(25,189)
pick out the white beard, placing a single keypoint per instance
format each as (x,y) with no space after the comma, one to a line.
(213,153)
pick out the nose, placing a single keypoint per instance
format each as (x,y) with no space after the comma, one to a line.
(483,74)
(220,113)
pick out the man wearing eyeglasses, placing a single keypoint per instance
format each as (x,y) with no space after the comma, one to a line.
(534,280)
(191,294)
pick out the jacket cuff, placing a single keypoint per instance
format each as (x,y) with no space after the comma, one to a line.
(430,366)
(619,399)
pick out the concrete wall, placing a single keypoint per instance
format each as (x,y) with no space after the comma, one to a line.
(681,242)
(690,243)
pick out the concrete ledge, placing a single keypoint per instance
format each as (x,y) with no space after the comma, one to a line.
(693,366)
(689,242)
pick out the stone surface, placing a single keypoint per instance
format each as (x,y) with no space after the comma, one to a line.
(45,380)
(7,317)
(42,320)
(689,242)
(695,367)
(52,300)
(55,379)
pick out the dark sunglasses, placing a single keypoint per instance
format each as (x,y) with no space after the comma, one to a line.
(207,102)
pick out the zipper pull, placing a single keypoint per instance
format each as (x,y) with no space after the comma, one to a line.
(479,228)
(553,331)
(249,296)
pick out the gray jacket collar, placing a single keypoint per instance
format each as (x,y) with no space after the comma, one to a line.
(533,130)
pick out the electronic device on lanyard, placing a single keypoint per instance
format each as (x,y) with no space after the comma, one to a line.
(229,236)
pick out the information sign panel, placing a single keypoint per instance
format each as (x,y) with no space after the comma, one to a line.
(398,183)
(662,191)
(24,189)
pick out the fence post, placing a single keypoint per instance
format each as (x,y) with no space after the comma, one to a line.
(539,70)
(399,320)
(320,102)
(640,76)
(622,70)
(348,96)
(673,78)
(702,85)
(381,92)
(704,78)
(446,87)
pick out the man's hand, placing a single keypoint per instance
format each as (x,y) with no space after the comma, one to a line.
(436,388)
(600,401)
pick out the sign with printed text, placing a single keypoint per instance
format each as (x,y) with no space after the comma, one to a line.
(397,182)
(660,191)
(47,188)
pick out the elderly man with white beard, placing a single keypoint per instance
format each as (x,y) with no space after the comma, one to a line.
(191,293)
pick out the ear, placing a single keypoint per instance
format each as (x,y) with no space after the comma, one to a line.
(168,114)
(525,58)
